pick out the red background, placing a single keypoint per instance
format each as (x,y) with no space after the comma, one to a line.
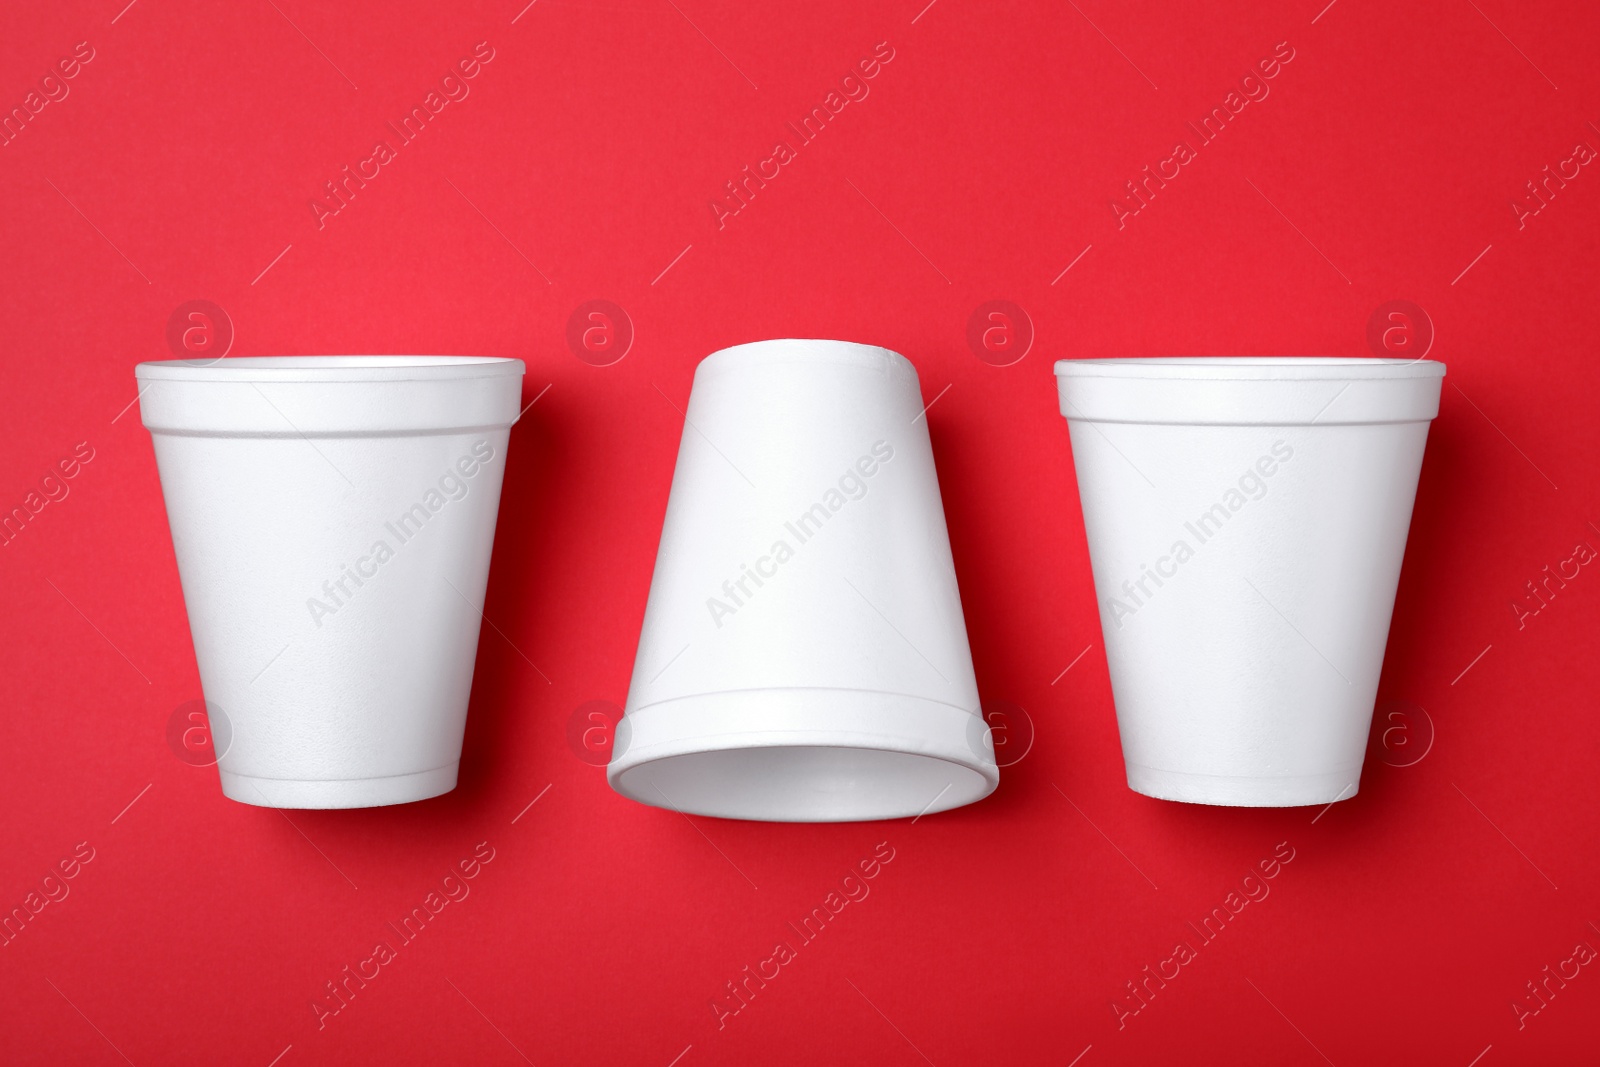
(1382,166)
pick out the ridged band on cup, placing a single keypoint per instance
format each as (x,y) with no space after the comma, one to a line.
(339,793)
(1249,391)
(1246,791)
(310,396)
(844,717)
(808,717)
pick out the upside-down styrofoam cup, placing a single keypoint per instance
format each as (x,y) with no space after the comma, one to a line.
(1246,520)
(803,656)
(332,519)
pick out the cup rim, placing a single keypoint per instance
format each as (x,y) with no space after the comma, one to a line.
(349,368)
(1249,368)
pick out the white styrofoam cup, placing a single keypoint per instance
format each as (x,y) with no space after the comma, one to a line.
(803,655)
(332,518)
(1246,519)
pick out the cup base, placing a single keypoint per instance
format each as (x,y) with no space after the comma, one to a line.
(1239,791)
(339,793)
(803,755)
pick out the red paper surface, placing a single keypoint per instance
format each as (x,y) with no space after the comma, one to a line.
(1385,162)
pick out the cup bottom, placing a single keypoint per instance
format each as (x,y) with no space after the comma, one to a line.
(339,793)
(1239,791)
(803,755)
